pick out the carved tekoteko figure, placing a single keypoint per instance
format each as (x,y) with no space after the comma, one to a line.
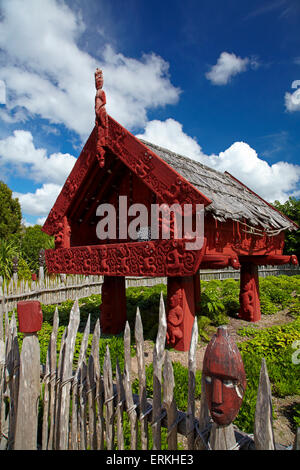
(224,378)
(101,118)
(175,316)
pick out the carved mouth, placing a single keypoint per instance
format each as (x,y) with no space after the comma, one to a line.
(217,412)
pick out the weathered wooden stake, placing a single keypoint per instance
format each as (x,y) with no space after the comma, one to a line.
(30,321)
(263,428)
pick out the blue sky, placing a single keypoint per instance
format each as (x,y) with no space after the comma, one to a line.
(213,80)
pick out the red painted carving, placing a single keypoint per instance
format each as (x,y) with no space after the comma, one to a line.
(275,260)
(155,258)
(225,378)
(101,118)
(62,236)
(180,312)
(249,293)
(30,316)
(175,312)
(219,261)
(113,306)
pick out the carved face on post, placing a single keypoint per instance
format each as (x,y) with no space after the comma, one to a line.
(98,79)
(224,377)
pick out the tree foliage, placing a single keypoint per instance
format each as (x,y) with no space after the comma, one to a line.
(32,242)
(10,213)
(291,208)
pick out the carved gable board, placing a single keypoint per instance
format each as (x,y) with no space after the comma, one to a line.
(130,165)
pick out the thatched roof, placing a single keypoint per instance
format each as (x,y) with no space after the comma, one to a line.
(230,198)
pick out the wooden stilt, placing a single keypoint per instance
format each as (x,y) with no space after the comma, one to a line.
(113,307)
(249,293)
(181,311)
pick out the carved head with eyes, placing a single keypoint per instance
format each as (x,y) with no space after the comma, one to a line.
(224,377)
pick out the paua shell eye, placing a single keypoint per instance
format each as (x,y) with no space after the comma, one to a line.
(208,379)
(228,383)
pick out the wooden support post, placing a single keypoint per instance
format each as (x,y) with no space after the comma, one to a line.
(197,292)
(181,312)
(249,293)
(30,321)
(113,306)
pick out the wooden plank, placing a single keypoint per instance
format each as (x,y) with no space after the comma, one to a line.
(109,400)
(263,426)
(169,402)
(130,406)
(29,391)
(92,380)
(2,372)
(158,358)
(58,389)
(192,386)
(204,426)
(14,364)
(222,437)
(139,338)
(52,378)
(65,384)
(120,407)
(82,379)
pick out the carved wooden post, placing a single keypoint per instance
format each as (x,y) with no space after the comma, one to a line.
(181,312)
(113,306)
(30,321)
(249,293)
(41,266)
(15,268)
(225,383)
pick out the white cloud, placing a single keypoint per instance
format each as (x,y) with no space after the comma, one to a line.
(271,182)
(2,92)
(169,134)
(18,153)
(226,67)
(40,202)
(41,220)
(292,100)
(47,74)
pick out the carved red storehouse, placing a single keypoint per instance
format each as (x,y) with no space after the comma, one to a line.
(240,228)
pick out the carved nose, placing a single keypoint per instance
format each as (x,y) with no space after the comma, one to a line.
(217,396)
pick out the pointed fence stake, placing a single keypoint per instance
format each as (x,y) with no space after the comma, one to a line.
(263,429)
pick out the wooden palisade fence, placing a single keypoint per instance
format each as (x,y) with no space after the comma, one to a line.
(56,289)
(83,408)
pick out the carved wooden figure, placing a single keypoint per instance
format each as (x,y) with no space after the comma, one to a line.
(224,377)
(249,293)
(180,311)
(101,118)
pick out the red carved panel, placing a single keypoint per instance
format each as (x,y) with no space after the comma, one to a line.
(153,258)
(224,377)
(234,239)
